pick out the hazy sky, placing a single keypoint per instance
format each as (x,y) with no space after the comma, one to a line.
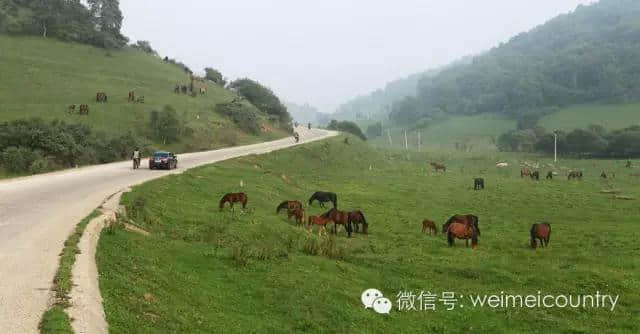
(327,51)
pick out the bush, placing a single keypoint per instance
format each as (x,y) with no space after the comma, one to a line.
(18,159)
(374,130)
(241,115)
(346,126)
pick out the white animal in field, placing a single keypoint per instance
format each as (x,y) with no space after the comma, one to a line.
(502,165)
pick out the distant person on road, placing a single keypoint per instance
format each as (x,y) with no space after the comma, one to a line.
(136,158)
(296,136)
(309,125)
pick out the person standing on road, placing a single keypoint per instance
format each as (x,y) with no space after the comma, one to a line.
(136,158)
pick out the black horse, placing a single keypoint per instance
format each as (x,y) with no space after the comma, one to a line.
(478,183)
(324,197)
(535,176)
(550,176)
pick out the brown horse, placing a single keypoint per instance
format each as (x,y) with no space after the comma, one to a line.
(438,166)
(542,232)
(298,213)
(289,205)
(339,217)
(575,175)
(84,109)
(319,220)
(132,96)
(101,97)
(462,219)
(72,109)
(357,217)
(429,225)
(463,231)
(234,198)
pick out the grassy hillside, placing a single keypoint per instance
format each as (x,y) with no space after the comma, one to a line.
(477,132)
(609,116)
(204,271)
(41,78)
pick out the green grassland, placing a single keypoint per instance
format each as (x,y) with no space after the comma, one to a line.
(41,78)
(477,132)
(610,116)
(252,271)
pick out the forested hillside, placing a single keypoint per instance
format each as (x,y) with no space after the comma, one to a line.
(590,55)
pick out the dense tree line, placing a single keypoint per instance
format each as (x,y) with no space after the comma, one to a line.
(97,23)
(35,146)
(593,141)
(589,55)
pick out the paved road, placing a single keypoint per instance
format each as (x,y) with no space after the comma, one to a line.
(38,213)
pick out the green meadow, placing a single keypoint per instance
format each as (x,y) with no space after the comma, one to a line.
(253,271)
(611,117)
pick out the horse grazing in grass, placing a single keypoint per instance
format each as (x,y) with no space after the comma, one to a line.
(550,175)
(324,197)
(535,176)
(462,219)
(101,97)
(72,109)
(319,220)
(84,109)
(478,183)
(289,205)
(298,213)
(575,175)
(357,217)
(429,225)
(542,232)
(339,217)
(463,231)
(438,166)
(234,198)
(132,96)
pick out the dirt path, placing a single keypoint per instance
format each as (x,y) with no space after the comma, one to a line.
(38,213)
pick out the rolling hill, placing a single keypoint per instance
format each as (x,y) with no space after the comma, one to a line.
(42,77)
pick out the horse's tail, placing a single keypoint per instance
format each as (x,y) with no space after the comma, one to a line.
(474,237)
(474,220)
(450,237)
(548,235)
(533,235)
(282,206)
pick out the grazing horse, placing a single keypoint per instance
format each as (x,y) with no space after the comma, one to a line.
(203,91)
(438,166)
(357,217)
(132,96)
(140,99)
(478,183)
(550,175)
(628,164)
(603,175)
(525,172)
(324,197)
(462,231)
(535,176)
(72,109)
(298,213)
(289,205)
(542,232)
(462,219)
(84,109)
(575,175)
(339,217)
(430,226)
(234,198)
(183,89)
(101,97)
(316,220)
(176,89)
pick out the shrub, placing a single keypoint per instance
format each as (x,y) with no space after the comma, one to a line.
(346,126)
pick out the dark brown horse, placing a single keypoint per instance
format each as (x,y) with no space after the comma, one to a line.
(298,213)
(438,166)
(535,176)
(234,198)
(462,219)
(550,175)
(132,96)
(72,109)
(289,205)
(429,225)
(357,217)
(463,231)
(339,217)
(575,175)
(84,110)
(101,97)
(542,232)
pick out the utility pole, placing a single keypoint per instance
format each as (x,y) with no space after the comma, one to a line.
(555,146)
(406,141)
